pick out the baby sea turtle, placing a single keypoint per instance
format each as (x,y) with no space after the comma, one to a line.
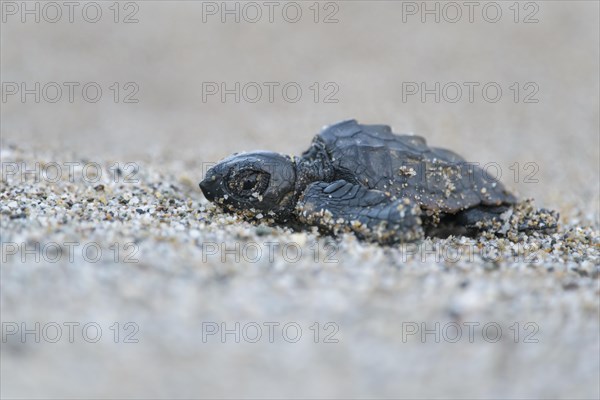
(364,179)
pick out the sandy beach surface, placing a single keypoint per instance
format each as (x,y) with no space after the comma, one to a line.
(120,280)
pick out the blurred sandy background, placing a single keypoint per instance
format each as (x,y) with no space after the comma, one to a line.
(367,54)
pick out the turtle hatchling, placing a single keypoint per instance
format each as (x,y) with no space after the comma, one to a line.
(384,187)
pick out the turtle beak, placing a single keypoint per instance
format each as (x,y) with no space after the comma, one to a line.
(211,185)
(214,183)
(206,186)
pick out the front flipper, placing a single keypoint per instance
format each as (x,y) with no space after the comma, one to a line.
(371,214)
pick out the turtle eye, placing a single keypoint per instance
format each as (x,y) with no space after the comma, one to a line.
(248,183)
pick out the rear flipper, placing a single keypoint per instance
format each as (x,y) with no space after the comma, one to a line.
(527,218)
(483,218)
(522,217)
(372,215)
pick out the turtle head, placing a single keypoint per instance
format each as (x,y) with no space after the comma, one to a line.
(257,182)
